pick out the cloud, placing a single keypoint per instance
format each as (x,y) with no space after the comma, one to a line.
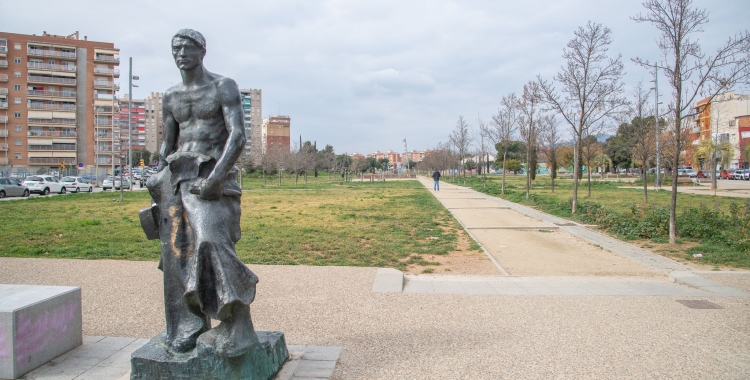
(390,81)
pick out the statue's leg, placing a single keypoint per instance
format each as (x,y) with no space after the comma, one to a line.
(184,318)
(224,284)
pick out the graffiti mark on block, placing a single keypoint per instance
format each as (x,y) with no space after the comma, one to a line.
(46,329)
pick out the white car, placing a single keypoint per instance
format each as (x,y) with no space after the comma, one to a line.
(77,184)
(44,184)
(109,183)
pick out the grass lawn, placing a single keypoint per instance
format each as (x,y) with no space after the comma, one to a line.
(389,224)
(716,227)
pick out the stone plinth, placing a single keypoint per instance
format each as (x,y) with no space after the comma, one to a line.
(37,324)
(153,361)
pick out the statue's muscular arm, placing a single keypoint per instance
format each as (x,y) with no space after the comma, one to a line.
(171,132)
(231,106)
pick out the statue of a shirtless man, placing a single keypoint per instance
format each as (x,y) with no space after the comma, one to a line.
(196,208)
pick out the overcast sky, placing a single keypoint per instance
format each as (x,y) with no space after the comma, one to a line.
(364,75)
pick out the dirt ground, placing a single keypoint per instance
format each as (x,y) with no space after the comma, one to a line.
(461,261)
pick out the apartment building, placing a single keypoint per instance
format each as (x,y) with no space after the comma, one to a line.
(724,119)
(56,101)
(276,133)
(135,135)
(252,107)
(154,123)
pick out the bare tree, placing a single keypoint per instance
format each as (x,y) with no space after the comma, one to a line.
(483,146)
(461,140)
(591,90)
(506,126)
(529,107)
(690,72)
(590,148)
(644,144)
(551,137)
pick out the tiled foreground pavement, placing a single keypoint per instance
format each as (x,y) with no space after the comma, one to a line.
(101,358)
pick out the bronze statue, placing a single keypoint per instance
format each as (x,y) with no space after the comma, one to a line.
(196,209)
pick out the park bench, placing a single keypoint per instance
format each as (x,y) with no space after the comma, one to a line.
(37,324)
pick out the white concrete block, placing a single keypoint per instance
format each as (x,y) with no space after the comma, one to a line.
(37,324)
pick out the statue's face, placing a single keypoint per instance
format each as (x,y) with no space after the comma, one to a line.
(187,55)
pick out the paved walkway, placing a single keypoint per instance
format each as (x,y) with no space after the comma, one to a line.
(493,221)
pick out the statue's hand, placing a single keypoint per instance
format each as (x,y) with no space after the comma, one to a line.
(211,189)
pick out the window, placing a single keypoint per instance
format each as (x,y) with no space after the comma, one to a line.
(16,46)
(17,87)
(17,74)
(17,128)
(17,156)
(17,142)
(51,61)
(16,100)
(17,115)
(16,60)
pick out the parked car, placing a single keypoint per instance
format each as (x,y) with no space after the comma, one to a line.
(741,174)
(688,172)
(728,174)
(110,183)
(76,184)
(44,184)
(89,177)
(10,187)
(704,174)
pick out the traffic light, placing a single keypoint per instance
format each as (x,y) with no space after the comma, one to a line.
(62,167)
(142,164)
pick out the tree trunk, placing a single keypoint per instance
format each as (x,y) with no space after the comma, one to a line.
(528,171)
(574,208)
(645,184)
(553,174)
(588,171)
(505,154)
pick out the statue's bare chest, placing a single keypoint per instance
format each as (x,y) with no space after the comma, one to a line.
(201,103)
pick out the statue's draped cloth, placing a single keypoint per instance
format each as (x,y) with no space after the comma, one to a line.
(202,274)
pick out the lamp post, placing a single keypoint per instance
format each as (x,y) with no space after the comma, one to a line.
(657,183)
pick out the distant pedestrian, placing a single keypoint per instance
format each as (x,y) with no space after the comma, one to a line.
(436,177)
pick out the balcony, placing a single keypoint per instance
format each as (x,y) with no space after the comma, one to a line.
(3,147)
(50,53)
(51,134)
(3,50)
(102,110)
(106,71)
(46,93)
(102,123)
(48,66)
(3,63)
(104,149)
(3,119)
(3,105)
(53,107)
(104,136)
(106,85)
(33,120)
(56,80)
(3,91)
(106,58)
(104,96)
(52,160)
(71,146)
(3,77)
(104,160)
(3,133)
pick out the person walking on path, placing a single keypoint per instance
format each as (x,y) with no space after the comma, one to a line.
(436,177)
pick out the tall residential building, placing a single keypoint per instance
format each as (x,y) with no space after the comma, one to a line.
(154,123)
(56,95)
(276,133)
(252,107)
(137,126)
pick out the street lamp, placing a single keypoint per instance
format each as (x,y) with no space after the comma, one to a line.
(131,78)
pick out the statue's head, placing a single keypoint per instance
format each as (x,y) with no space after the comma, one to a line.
(188,48)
